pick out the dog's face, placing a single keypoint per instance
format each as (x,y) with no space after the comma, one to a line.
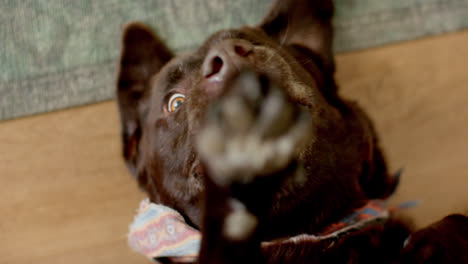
(163,101)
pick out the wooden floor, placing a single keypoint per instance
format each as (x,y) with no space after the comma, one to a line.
(66,196)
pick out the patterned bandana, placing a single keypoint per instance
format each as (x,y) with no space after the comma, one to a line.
(160,232)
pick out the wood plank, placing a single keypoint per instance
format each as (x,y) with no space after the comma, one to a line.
(417,93)
(67,197)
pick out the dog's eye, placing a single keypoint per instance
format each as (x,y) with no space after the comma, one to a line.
(175,101)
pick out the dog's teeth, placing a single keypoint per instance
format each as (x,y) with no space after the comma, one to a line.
(239,224)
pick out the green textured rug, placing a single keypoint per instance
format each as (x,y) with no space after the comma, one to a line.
(61,53)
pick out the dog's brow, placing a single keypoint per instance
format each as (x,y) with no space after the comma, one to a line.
(224,35)
(180,70)
(174,74)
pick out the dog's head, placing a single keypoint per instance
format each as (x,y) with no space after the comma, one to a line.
(163,99)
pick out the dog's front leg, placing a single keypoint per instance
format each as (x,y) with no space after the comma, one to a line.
(445,241)
(249,146)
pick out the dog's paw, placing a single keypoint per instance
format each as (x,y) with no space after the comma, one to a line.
(443,242)
(252,131)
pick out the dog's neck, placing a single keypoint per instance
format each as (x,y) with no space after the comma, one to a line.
(161,232)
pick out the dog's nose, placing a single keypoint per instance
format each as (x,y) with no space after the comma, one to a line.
(225,59)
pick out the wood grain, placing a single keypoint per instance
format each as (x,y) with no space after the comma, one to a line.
(417,94)
(67,197)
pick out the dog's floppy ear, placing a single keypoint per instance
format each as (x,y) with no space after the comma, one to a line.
(143,55)
(304,23)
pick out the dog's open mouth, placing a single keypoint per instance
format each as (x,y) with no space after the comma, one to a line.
(161,232)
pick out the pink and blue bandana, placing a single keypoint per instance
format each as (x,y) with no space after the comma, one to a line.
(161,232)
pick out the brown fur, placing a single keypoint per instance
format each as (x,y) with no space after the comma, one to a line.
(341,159)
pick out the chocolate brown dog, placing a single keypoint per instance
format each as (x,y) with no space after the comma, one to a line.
(248,139)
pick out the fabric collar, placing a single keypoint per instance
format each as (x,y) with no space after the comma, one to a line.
(160,232)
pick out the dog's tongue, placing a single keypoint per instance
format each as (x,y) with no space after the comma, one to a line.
(160,232)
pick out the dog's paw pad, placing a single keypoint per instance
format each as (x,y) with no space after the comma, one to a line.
(253,130)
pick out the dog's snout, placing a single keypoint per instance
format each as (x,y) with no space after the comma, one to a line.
(225,59)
